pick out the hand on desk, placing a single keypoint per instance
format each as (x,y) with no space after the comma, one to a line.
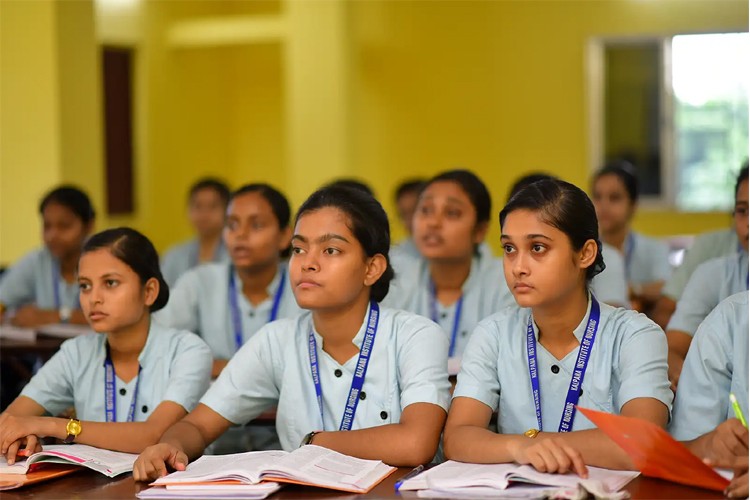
(30,316)
(153,462)
(551,455)
(738,487)
(18,433)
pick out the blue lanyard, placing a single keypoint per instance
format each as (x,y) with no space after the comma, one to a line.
(456,317)
(629,246)
(56,287)
(574,391)
(235,307)
(109,391)
(358,380)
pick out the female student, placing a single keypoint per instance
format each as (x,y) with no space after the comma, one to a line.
(712,282)
(207,206)
(128,382)
(561,348)
(717,366)
(227,303)
(348,375)
(41,288)
(615,196)
(453,284)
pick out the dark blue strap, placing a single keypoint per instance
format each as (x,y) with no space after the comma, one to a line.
(358,379)
(234,305)
(110,400)
(456,317)
(576,381)
(629,248)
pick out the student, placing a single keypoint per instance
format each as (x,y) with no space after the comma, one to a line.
(453,284)
(40,289)
(207,206)
(407,198)
(128,382)
(716,365)
(609,286)
(706,246)
(712,282)
(227,303)
(340,272)
(615,196)
(522,362)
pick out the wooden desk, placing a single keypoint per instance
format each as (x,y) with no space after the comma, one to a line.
(88,484)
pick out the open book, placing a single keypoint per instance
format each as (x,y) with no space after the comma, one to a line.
(309,465)
(462,476)
(109,463)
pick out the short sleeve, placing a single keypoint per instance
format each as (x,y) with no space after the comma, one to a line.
(705,381)
(18,282)
(190,372)
(247,385)
(661,268)
(53,385)
(699,298)
(478,378)
(611,286)
(423,366)
(182,311)
(642,366)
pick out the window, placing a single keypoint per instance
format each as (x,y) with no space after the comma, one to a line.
(677,108)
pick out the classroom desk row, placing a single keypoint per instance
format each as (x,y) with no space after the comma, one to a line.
(86,484)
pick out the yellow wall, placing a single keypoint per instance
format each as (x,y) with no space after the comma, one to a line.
(375,89)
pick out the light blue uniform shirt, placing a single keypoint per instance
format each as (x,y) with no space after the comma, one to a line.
(175,366)
(712,282)
(32,281)
(183,257)
(646,259)
(611,286)
(716,365)
(199,303)
(484,293)
(628,361)
(407,365)
(706,246)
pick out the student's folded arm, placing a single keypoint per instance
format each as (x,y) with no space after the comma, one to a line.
(412,441)
(651,292)
(195,431)
(467,438)
(679,345)
(663,311)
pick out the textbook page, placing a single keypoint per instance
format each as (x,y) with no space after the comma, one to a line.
(245,467)
(110,463)
(323,467)
(11,332)
(64,330)
(247,491)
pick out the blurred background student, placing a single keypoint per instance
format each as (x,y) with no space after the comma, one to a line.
(712,282)
(615,195)
(41,288)
(407,197)
(207,206)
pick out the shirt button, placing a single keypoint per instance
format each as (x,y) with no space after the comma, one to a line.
(144,409)
(384,415)
(362,395)
(580,393)
(252,314)
(123,392)
(337,372)
(555,369)
(464,333)
(444,315)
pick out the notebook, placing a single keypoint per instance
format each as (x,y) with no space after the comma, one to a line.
(309,465)
(655,453)
(109,463)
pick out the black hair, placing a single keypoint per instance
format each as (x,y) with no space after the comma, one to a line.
(741,177)
(474,188)
(274,197)
(528,180)
(565,207)
(623,170)
(217,185)
(135,250)
(367,221)
(71,198)
(353,184)
(410,186)
(279,205)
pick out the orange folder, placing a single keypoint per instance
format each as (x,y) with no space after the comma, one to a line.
(654,452)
